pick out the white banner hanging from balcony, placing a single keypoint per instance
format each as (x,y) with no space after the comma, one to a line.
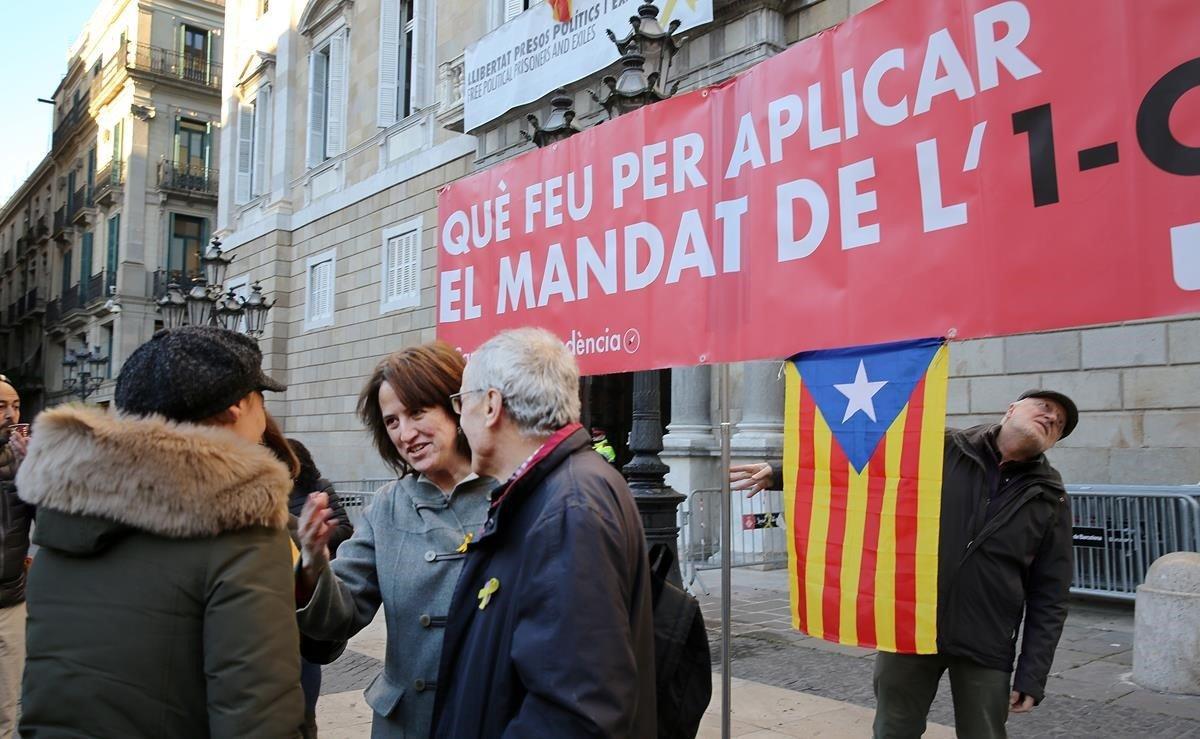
(534,53)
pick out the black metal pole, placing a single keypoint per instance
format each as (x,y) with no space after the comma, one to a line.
(657,502)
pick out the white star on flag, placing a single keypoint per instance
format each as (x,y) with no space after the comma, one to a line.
(860,392)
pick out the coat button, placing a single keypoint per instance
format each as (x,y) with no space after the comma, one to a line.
(425,620)
(430,555)
(419,685)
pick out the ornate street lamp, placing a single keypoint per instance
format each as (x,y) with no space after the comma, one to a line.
(256,306)
(83,371)
(560,124)
(207,303)
(633,89)
(199,303)
(229,311)
(657,45)
(215,263)
(173,306)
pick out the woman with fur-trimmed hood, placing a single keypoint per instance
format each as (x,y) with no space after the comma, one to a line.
(161,601)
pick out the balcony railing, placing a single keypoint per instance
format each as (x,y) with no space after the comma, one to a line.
(70,301)
(187,178)
(33,304)
(164,277)
(92,290)
(22,247)
(450,93)
(82,199)
(176,65)
(70,122)
(109,181)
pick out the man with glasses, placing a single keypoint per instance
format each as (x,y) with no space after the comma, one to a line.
(1004,564)
(14,546)
(1004,551)
(550,630)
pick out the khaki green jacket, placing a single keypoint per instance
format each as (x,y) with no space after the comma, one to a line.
(160,602)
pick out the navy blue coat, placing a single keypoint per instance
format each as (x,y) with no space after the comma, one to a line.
(565,646)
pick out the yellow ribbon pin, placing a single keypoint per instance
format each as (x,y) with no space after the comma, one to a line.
(467,539)
(487,591)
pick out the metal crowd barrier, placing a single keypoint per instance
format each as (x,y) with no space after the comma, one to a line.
(759,533)
(1119,530)
(356,495)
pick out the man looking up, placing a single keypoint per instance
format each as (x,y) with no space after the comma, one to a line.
(1004,560)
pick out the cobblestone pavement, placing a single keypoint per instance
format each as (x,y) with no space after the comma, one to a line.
(1088,695)
(1089,692)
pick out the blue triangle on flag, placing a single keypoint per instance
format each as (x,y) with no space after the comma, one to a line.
(860,390)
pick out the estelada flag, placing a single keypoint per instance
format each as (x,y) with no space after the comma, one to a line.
(562,10)
(865,430)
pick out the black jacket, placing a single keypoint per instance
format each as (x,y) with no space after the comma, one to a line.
(344,529)
(991,570)
(15,517)
(565,645)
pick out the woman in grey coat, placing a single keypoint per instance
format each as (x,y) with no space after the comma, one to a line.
(407,553)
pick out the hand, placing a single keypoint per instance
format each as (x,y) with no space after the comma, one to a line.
(1019,702)
(316,525)
(753,478)
(19,444)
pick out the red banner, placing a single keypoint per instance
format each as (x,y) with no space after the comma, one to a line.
(962,167)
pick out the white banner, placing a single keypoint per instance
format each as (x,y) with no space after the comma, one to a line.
(533,54)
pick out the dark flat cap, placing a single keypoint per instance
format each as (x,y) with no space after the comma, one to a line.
(1068,405)
(191,373)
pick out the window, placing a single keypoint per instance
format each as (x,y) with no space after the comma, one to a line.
(253,154)
(187,237)
(327,99)
(400,279)
(66,271)
(318,289)
(85,266)
(513,8)
(194,48)
(263,7)
(106,334)
(112,255)
(397,62)
(118,143)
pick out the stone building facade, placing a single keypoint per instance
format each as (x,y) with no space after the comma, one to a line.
(343,119)
(124,201)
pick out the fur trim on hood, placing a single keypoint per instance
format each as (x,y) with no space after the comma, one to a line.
(179,480)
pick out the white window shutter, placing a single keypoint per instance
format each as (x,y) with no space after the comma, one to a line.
(260,184)
(410,282)
(389,60)
(244,152)
(419,76)
(336,128)
(316,108)
(513,8)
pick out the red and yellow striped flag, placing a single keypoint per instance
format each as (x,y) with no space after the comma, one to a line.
(561,10)
(864,431)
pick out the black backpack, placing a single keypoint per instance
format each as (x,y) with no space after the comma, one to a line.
(682,664)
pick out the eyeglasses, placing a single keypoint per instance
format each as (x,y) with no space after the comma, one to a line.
(456,399)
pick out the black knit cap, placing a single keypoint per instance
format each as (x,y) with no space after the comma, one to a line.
(191,373)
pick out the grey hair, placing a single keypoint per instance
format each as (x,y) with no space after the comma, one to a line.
(534,372)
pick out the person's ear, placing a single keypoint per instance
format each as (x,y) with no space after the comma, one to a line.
(491,411)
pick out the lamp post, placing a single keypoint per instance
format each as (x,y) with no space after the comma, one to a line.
(647,44)
(560,124)
(83,371)
(206,303)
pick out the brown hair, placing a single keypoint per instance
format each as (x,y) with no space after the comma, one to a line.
(274,440)
(422,376)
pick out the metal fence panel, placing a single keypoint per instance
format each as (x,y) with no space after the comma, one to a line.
(1140,523)
(356,496)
